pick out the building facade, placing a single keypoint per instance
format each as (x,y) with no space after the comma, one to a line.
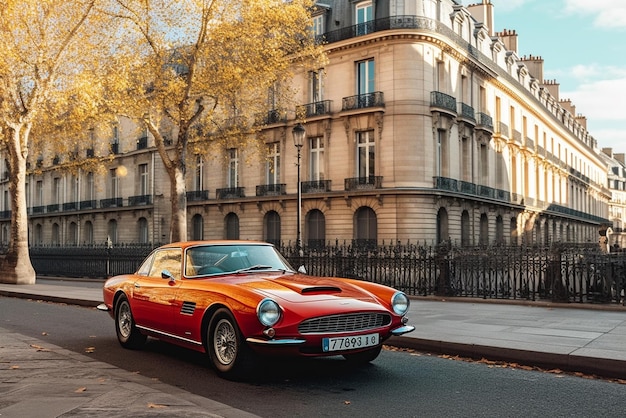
(424,126)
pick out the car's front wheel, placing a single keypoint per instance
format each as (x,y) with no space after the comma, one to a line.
(363,357)
(127,333)
(225,344)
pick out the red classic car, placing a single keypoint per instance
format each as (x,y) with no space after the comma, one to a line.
(232,299)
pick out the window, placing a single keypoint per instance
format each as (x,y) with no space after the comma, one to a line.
(114,183)
(365,154)
(72,234)
(56,234)
(39,193)
(315,92)
(144,186)
(233,168)
(197,227)
(73,188)
(232,226)
(198,182)
(365,226)
(315,228)
(271,226)
(484,229)
(363,14)
(272,165)
(442,225)
(142,231)
(316,158)
(442,153)
(112,231)
(168,259)
(56,190)
(465,228)
(365,77)
(88,233)
(318,24)
(89,187)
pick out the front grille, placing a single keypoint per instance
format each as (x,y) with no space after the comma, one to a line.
(344,323)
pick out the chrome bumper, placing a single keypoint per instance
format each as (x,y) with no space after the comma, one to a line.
(275,342)
(102,307)
(403,330)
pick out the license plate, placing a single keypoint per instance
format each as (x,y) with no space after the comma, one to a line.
(349,343)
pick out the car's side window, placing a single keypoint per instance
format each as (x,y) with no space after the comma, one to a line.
(144,269)
(169,259)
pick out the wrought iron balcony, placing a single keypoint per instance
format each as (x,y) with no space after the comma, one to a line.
(443,101)
(197,195)
(314,109)
(230,193)
(69,206)
(38,209)
(316,186)
(271,117)
(87,204)
(358,183)
(114,202)
(467,113)
(485,121)
(363,101)
(270,189)
(139,200)
(53,207)
(5,214)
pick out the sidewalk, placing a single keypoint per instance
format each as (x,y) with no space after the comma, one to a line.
(590,339)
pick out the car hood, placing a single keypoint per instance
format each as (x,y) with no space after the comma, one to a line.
(301,288)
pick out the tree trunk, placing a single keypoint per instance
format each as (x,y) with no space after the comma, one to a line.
(15,267)
(178,226)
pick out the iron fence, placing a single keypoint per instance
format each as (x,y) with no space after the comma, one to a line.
(559,272)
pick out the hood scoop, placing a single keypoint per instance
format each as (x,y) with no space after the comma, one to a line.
(315,290)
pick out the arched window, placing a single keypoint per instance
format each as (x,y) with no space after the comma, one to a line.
(465,228)
(484,229)
(88,233)
(72,234)
(38,234)
(315,228)
(232,226)
(271,227)
(142,231)
(112,231)
(56,234)
(197,227)
(514,231)
(499,230)
(365,227)
(442,225)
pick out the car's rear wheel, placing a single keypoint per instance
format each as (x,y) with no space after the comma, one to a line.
(225,344)
(363,357)
(127,333)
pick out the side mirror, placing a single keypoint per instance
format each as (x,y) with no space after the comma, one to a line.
(165,274)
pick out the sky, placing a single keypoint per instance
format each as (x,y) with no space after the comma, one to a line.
(583,46)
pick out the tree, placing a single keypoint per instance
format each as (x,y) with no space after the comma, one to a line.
(196,72)
(46,59)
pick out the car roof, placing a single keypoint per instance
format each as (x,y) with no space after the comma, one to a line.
(185,244)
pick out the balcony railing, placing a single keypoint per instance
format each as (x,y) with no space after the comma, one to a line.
(395,22)
(5,214)
(270,189)
(38,209)
(484,120)
(363,101)
(358,183)
(467,112)
(53,207)
(316,186)
(87,204)
(271,117)
(140,200)
(314,109)
(443,101)
(230,193)
(114,202)
(197,195)
(69,206)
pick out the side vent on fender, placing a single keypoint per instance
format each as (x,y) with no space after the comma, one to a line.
(188,308)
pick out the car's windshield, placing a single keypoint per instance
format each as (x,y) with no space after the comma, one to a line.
(219,259)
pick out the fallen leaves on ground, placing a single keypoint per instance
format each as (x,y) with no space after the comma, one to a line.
(80,390)
(156,406)
(90,350)
(38,347)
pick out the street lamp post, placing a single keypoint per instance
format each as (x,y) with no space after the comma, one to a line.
(298,139)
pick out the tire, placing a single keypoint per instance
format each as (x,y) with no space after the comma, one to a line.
(127,333)
(225,345)
(364,357)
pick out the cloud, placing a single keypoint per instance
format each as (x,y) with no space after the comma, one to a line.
(607,14)
(600,100)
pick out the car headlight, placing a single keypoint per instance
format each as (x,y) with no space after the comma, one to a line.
(268,312)
(400,303)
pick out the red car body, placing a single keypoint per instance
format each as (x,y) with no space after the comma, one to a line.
(232,298)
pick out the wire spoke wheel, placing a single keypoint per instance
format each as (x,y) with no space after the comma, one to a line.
(225,342)
(127,333)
